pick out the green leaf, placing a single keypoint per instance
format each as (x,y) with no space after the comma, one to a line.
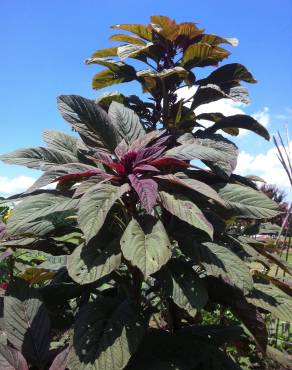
(95,205)
(11,359)
(90,262)
(195,150)
(282,358)
(38,158)
(145,32)
(218,261)
(243,201)
(187,211)
(217,152)
(27,322)
(39,213)
(146,246)
(53,263)
(128,39)
(126,122)
(272,299)
(89,120)
(60,141)
(180,282)
(240,121)
(203,54)
(230,74)
(198,186)
(107,333)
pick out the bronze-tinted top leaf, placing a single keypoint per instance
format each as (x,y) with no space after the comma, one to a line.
(168,27)
(230,74)
(240,121)
(211,92)
(188,29)
(107,78)
(127,38)
(108,52)
(145,32)
(216,40)
(133,51)
(203,54)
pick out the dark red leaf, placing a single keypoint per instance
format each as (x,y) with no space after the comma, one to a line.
(6,254)
(102,156)
(61,360)
(4,286)
(11,359)
(81,175)
(2,229)
(164,162)
(141,143)
(121,149)
(149,154)
(147,190)
(144,167)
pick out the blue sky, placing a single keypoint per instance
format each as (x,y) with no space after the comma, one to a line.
(44,45)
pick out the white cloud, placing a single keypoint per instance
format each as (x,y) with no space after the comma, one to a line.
(265,165)
(285,116)
(227,107)
(9,186)
(263,117)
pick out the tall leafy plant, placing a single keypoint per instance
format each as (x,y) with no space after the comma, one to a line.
(140,212)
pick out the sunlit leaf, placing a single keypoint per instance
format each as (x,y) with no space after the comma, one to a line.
(203,54)
(95,205)
(187,211)
(89,120)
(246,202)
(38,158)
(145,32)
(127,38)
(146,245)
(126,122)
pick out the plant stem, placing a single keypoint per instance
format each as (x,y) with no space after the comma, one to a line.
(11,268)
